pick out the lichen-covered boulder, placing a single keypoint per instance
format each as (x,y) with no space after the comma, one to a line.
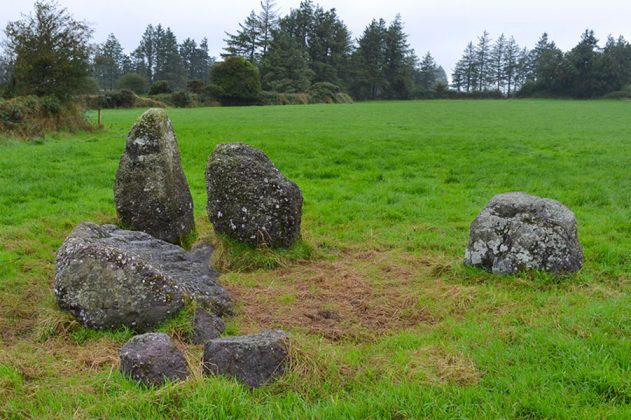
(206,326)
(108,277)
(249,200)
(153,359)
(517,232)
(254,359)
(151,192)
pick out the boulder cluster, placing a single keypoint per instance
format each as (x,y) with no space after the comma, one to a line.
(139,275)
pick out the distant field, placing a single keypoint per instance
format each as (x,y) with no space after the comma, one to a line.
(386,321)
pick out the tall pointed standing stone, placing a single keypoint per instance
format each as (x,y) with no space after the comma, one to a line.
(151,191)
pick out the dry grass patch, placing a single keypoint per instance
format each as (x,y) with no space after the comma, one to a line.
(359,296)
(438,365)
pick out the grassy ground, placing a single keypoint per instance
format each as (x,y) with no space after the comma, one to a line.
(386,321)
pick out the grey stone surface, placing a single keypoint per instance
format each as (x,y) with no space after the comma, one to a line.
(153,359)
(108,277)
(151,192)
(254,360)
(206,326)
(517,231)
(249,200)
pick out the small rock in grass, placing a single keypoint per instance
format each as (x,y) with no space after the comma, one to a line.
(517,231)
(249,200)
(153,359)
(254,359)
(206,326)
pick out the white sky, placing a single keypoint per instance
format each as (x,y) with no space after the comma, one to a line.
(443,27)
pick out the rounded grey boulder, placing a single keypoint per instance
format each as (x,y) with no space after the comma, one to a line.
(254,359)
(249,200)
(153,359)
(150,191)
(517,231)
(108,277)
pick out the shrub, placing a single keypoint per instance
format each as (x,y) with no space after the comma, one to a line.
(195,86)
(213,91)
(143,102)
(618,94)
(30,116)
(238,79)
(323,92)
(181,99)
(275,98)
(161,86)
(134,82)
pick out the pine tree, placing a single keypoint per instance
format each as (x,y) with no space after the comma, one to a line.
(285,67)
(108,63)
(482,54)
(497,60)
(426,76)
(145,55)
(510,64)
(399,61)
(246,41)
(268,22)
(458,76)
(369,62)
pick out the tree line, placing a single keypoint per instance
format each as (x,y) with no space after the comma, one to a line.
(308,49)
(585,71)
(312,45)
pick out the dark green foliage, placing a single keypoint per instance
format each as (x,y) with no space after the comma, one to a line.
(586,71)
(195,86)
(276,98)
(31,116)
(213,91)
(383,63)
(323,92)
(108,62)
(121,99)
(161,86)
(239,80)
(134,82)
(181,99)
(285,68)
(50,52)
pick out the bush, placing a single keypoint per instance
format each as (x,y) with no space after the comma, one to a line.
(275,98)
(195,86)
(31,116)
(618,94)
(213,91)
(143,102)
(238,79)
(134,82)
(181,99)
(159,87)
(323,92)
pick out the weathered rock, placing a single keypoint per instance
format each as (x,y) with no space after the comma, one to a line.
(206,326)
(254,360)
(517,231)
(249,200)
(151,191)
(108,277)
(153,359)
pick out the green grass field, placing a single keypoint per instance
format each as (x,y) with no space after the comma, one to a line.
(386,321)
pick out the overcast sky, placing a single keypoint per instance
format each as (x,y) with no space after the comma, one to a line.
(443,27)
